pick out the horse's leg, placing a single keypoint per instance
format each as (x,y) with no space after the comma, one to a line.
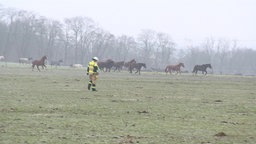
(130,69)
(137,71)
(196,72)
(178,71)
(38,67)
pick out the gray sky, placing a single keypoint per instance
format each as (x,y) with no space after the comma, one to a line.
(183,20)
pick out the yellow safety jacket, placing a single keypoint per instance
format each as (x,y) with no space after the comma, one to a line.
(92,67)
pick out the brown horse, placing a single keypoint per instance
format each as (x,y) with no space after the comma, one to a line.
(107,65)
(176,68)
(138,67)
(118,65)
(38,63)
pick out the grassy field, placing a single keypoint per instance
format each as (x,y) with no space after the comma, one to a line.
(54,107)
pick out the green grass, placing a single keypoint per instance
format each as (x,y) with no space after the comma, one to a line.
(54,106)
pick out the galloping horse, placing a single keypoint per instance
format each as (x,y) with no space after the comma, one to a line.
(118,65)
(24,60)
(138,67)
(129,63)
(107,65)
(201,68)
(176,68)
(38,63)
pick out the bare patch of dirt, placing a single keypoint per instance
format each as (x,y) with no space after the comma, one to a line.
(143,112)
(220,134)
(218,101)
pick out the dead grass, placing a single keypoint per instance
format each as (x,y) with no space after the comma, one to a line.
(54,106)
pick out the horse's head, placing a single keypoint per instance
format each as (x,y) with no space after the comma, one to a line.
(133,61)
(44,58)
(181,64)
(209,65)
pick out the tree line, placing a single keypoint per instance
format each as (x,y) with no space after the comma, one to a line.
(78,39)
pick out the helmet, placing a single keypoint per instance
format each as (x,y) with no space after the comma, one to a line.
(95,58)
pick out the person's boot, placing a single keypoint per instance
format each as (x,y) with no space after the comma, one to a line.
(89,85)
(94,87)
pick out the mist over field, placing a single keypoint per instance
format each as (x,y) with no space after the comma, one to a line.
(162,33)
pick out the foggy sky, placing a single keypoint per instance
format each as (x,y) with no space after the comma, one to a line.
(183,20)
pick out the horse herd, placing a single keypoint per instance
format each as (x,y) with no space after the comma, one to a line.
(132,64)
(176,68)
(109,64)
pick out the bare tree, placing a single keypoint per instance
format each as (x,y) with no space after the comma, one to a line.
(125,49)
(54,32)
(76,25)
(165,48)
(147,45)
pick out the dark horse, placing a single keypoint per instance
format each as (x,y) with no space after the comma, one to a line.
(107,65)
(129,64)
(118,66)
(202,68)
(38,63)
(176,68)
(137,66)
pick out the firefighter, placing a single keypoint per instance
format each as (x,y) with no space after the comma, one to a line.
(92,71)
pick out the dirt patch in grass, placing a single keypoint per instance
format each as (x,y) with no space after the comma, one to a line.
(220,134)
